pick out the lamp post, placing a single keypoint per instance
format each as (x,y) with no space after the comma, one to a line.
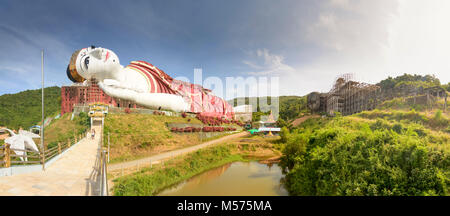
(42,125)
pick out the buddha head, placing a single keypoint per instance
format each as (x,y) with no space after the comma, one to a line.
(93,62)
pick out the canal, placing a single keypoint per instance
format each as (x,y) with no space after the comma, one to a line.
(234,179)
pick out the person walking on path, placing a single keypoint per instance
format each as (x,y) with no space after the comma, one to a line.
(93,133)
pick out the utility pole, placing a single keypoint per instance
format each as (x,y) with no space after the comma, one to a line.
(42,125)
(108,146)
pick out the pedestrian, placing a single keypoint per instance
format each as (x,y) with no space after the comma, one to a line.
(93,133)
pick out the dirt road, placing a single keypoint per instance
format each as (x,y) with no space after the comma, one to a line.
(298,121)
(162,156)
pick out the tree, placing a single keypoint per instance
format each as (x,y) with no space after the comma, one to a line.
(284,133)
(23,109)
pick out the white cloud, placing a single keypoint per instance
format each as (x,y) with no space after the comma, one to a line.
(264,63)
(420,39)
(340,3)
(374,40)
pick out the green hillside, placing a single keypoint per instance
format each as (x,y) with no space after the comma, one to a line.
(373,153)
(290,107)
(138,135)
(400,148)
(23,109)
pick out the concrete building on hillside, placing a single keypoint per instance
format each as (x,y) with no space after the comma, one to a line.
(79,94)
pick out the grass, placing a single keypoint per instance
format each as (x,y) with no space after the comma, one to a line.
(438,121)
(134,136)
(407,103)
(151,181)
(62,129)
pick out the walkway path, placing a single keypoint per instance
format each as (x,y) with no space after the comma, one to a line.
(162,156)
(74,174)
(300,120)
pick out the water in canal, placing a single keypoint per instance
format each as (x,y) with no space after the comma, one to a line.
(234,179)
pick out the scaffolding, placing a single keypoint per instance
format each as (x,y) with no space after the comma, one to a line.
(348,96)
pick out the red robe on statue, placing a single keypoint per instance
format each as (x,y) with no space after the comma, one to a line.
(201,100)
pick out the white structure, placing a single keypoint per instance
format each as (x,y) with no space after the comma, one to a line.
(23,140)
(126,83)
(267,129)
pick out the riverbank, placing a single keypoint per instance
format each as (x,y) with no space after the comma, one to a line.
(233,179)
(117,169)
(151,180)
(137,136)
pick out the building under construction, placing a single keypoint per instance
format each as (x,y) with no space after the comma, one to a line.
(346,97)
(82,94)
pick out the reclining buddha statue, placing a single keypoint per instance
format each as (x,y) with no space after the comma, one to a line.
(143,84)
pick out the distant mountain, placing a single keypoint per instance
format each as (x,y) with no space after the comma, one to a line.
(23,109)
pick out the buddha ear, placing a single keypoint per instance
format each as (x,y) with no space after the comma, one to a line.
(97,54)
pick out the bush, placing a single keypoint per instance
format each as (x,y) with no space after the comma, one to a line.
(345,157)
(437,122)
(85,120)
(283,134)
(398,128)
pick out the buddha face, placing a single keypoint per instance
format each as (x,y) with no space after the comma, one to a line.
(94,62)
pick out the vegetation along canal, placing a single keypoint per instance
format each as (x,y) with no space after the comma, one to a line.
(238,179)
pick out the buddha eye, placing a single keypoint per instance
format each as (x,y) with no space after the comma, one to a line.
(86,62)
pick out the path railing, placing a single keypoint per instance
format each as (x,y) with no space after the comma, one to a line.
(104,160)
(5,152)
(8,155)
(61,147)
(103,173)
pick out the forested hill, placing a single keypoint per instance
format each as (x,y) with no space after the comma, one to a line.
(411,81)
(23,109)
(290,106)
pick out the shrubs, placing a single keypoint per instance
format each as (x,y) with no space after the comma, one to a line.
(397,128)
(150,181)
(85,120)
(214,121)
(158,113)
(437,122)
(345,157)
(204,129)
(283,134)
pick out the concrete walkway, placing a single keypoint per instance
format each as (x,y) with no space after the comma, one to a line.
(74,174)
(166,155)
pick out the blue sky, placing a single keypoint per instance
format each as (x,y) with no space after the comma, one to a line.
(306,43)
